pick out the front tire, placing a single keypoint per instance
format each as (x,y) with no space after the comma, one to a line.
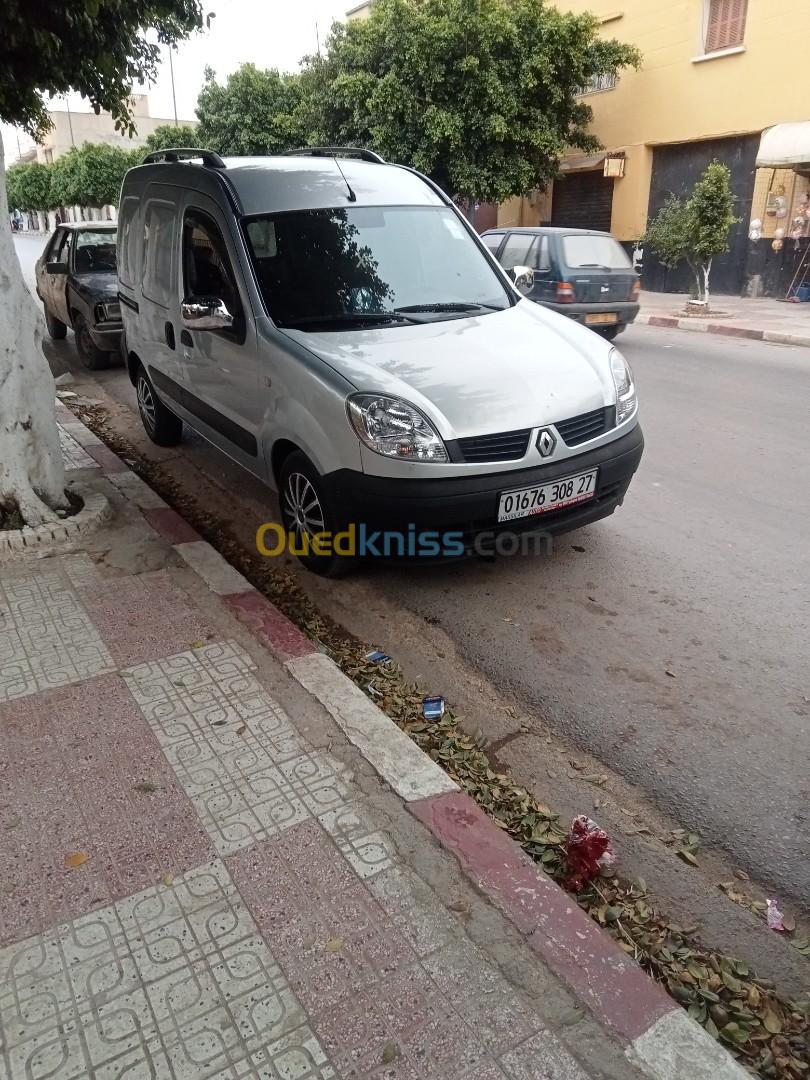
(306,511)
(56,328)
(161,425)
(91,357)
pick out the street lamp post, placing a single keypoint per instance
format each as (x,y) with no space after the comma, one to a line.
(174,97)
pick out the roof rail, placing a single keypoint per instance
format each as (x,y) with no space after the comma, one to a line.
(336,151)
(181,153)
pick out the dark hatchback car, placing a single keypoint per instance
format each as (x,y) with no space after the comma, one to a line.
(582,274)
(78,285)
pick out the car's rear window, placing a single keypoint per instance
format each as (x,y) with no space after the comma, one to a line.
(95,251)
(599,252)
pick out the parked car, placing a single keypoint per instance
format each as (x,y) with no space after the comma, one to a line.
(78,286)
(332,323)
(583,274)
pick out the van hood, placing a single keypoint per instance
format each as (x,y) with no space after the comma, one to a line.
(518,368)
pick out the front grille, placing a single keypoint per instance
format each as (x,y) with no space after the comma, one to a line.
(580,429)
(504,446)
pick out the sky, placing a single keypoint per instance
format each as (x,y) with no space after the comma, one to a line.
(264,32)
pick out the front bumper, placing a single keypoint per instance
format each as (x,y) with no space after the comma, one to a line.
(107,335)
(470,504)
(625,311)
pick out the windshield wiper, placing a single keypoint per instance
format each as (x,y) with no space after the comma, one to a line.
(451,305)
(355,318)
(592,266)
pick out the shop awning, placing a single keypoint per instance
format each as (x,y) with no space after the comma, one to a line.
(784,146)
(582,162)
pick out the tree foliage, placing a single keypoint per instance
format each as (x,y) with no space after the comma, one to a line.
(168,136)
(95,47)
(254,112)
(697,230)
(479,94)
(28,186)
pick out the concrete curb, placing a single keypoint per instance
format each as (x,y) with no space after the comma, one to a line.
(58,536)
(659,1038)
(724,329)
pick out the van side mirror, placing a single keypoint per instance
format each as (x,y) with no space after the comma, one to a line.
(523,277)
(56,268)
(205,313)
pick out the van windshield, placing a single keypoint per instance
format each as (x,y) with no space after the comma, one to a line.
(370,266)
(602,252)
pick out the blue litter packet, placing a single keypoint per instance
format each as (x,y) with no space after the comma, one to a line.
(433,708)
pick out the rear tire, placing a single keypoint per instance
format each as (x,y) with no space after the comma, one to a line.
(56,328)
(306,510)
(161,425)
(91,357)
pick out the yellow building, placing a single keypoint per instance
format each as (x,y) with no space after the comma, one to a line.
(715,74)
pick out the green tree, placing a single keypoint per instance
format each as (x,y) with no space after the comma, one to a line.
(167,136)
(30,185)
(254,112)
(97,48)
(696,231)
(481,95)
(15,186)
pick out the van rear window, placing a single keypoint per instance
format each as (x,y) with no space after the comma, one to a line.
(600,252)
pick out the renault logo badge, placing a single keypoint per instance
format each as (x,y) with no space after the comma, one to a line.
(546,443)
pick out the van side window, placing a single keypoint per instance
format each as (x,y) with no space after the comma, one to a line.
(207,267)
(158,246)
(493,241)
(128,248)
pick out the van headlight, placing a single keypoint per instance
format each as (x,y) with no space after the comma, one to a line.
(395,429)
(625,387)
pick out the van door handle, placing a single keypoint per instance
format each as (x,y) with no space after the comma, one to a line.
(169,331)
(186,339)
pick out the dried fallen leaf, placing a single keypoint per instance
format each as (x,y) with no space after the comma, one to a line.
(168,879)
(75,858)
(687,856)
(334,945)
(198,644)
(241,730)
(771,1022)
(671,674)
(789,923)
(145,787)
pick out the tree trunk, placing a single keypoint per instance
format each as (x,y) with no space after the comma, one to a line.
(32,475)
(707,269)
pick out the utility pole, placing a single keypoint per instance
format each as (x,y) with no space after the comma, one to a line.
(70,121)
(174,98)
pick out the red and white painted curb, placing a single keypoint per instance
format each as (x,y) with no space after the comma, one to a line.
(658,1036)
(704,326)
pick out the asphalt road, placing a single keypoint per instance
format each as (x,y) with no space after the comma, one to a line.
(670,640)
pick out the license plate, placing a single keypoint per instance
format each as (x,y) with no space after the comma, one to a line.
(527,502)
(601,318)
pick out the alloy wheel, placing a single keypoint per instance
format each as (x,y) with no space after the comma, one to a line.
(302,507)
(146,403)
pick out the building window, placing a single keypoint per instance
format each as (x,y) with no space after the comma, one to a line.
(597,83)
(725,24)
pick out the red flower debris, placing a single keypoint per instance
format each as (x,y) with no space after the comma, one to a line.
(588,852)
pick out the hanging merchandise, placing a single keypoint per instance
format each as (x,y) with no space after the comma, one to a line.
(755,229)
(779,234)
(755,234)
(777,245)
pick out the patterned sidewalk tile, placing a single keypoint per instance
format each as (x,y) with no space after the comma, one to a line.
(46,636)
(74,455)
(174,982)
(143,618)
(81,771)
(379,1009)
(232,747)
(368,850)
